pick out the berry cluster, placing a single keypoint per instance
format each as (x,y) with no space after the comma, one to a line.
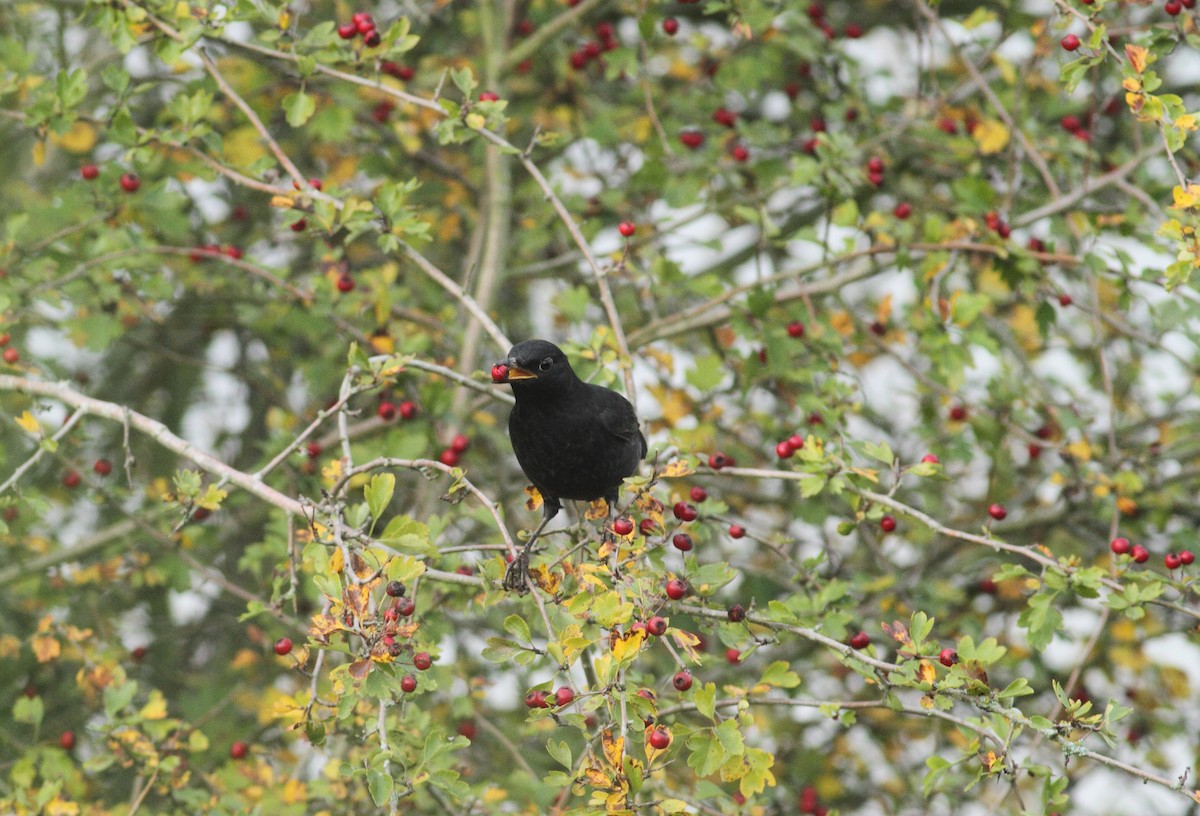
(361,25)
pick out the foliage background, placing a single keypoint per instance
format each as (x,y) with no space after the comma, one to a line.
(892,229)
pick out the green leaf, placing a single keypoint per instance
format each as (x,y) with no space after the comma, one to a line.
(299,108)
(705,698)
(516,626)
(404,533)
(117,697)
(730,737)
(29,710)
(560,752)
(778,674)
(845,214)
(1017,688)
(380,785)
(879,451)
(707,373)
(378,493)
(706,755)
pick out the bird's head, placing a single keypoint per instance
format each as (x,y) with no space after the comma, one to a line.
(534,364)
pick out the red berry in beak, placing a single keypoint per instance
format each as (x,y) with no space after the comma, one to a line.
(499,373)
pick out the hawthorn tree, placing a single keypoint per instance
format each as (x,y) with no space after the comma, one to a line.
(902,293)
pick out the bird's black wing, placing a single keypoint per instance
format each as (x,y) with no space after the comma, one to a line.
(618,417)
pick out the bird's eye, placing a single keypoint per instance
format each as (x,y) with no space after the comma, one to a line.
(545,364)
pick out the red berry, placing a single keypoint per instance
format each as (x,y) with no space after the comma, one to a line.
(930,459)
(1186,557)
(681,541)
(622,526)
(1036,244)
(796,441)
(300,225)
(739,152)
(1070,43)
(395,589)
(460,443)
(604,31)
(627,228)
(239,750)
(718,460)
(997,511)
(659,739)
(1172,561)
(422,661)
(676,589)
(647,526)
(902,210)
(564,696)
(816,11)
(1140,554)
(408,409)
(947,657)
(874,165)
(1173,8)
(736,613)
(808,800)
(386,410)
(657,626)
(1034,451)
(876,179)
(1065,300)
(313,450)
(1120,546)
(860,640)
(536,699)
(578,59)
(448,457)
(283,646)
(372,38)
(670,26)
(406,606)
(345,283)
(784,449)
(102,467)
(71,478)
(737,531)
(724,116)
(988,586)
(130,182)
(692,139)
(89,171)
(887,523)
(698,494)
(1070,123)
(682,681)
(795,329)
(489,96)
(499,373)
(853,31)
(958,413)
(66,740)
(684,511)
(733,656)
(408,683)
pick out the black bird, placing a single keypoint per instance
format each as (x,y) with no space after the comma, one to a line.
(574,440)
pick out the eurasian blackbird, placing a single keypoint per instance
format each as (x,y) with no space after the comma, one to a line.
(574,440)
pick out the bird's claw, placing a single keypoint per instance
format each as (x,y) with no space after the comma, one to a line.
(516,577)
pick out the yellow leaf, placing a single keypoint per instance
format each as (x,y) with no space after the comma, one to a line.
(475,121)
(242,147)
(1127,506)
(156,707)
(1137,57)
(10,645)
(60,807)
(883,311)
(673,402)
(1080,449)
(596,510)
(544,578)
(45,648)
(39,153)
(627,644)
(534,498)
(613,748)
(1023,322)
(30,425)
(842,323)
(991,135)
(1186,122)
(244,659)
(284,20)
(79,138)
(676,469)
(1183,200)
(926,673)
(337,561)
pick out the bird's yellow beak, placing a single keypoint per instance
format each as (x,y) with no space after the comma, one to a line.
(517,373)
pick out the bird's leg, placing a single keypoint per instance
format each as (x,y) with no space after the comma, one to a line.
(516,577)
